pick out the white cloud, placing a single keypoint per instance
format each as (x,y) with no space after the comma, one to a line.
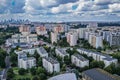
(2,3)
(114,7)
(46,3)
(105,2)
(62,8)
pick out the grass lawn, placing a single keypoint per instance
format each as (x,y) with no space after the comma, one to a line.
(1,69)
(17,76)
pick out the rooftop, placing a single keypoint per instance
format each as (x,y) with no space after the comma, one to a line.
(62,51)
(80,57)
(99,74)
(51,60)
(66,76)
(22,55)
(42,50)
(107,57)
(29,58)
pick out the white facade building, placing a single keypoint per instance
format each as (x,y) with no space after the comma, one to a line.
(98,56)
(79,60)
(114,39)
(81,32)
(25,62)
(42,52)
(54,37)
(51,65)
(31,51)
(61,52)
(24,39)
(95,40)
(72,38)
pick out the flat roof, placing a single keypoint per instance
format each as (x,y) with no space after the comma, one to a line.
(51,60)
(62,51)
(99,74)
(66,76)
(80,57)
(107,57)
(42,50)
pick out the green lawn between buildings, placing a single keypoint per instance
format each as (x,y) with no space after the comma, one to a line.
(17,76)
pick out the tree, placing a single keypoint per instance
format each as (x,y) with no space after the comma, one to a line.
(39,62)
(111,68)
(42,76)
(40,70)
(33,71)
(60,60)
(10,74)
(97,64)
(13,59)
(3,55)
(63,67)
(22,71)
(117,56)
(35,78)
(67,60)
(36,55)
(99,49)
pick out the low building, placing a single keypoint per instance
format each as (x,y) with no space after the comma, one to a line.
(42,52)
(51,65)
(98,56)
(19,38)
(26,62)
(31,51)
(98,74)
(61,52)
(79,61)
(66,76)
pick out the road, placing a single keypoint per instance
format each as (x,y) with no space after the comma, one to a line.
(7,61)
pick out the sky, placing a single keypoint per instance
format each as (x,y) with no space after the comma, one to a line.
(60,10)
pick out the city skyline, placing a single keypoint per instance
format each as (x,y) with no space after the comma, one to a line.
(60,10)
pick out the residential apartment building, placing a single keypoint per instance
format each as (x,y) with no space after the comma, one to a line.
(58,29)
(51,65)
(26,62)
(41,30)
(114,39)
(25,30)
(61,52)
(19,38)
(81,32)
(95,40)
(98,74)
(31,51)
(54,37)
(79,61)
(98,56)
(72,38)
(42,52)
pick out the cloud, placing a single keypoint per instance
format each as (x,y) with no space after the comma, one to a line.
(114,7)
(61,9)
